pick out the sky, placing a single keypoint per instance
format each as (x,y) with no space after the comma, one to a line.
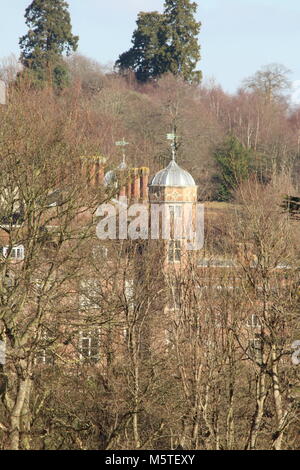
(237,37)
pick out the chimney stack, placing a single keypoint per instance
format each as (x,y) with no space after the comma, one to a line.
(135,184)
(144,181)
(92,169)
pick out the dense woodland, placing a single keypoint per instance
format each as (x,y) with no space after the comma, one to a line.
(203,386)
(222,138)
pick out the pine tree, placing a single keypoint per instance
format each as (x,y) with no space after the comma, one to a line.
(165,43)
(183,51)
(49,37)
(145,57)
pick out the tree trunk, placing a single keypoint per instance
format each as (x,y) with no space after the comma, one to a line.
(17,413)
(258,415)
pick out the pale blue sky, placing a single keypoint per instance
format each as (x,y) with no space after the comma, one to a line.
(237,36)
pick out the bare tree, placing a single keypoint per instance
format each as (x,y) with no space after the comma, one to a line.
(271,80)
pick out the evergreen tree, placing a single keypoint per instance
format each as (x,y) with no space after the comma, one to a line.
(145,57)
(49,37)
(164,43)
(183,51)
(234,162)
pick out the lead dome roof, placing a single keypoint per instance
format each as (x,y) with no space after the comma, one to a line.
(173,175)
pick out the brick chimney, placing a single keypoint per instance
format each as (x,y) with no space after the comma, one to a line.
(92,169)
(144,181)
(135,184)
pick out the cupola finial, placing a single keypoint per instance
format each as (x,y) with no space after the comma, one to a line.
(123,143)
(172,138)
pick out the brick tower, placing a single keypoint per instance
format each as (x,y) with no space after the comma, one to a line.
(175,191)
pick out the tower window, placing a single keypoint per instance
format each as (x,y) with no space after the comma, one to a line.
(175,210)
(89,345)
(14,252)
(253,322)
(175,214)
(174,253)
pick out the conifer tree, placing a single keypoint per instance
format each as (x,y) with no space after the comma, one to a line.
(146,55)
(234,164)
(183,51)
(49,37)
(165,43)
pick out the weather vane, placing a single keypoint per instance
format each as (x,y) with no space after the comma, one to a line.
(172,137)
(123,143)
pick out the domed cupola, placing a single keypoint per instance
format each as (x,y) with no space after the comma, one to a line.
(111,177)
(173,175)
(173,184)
